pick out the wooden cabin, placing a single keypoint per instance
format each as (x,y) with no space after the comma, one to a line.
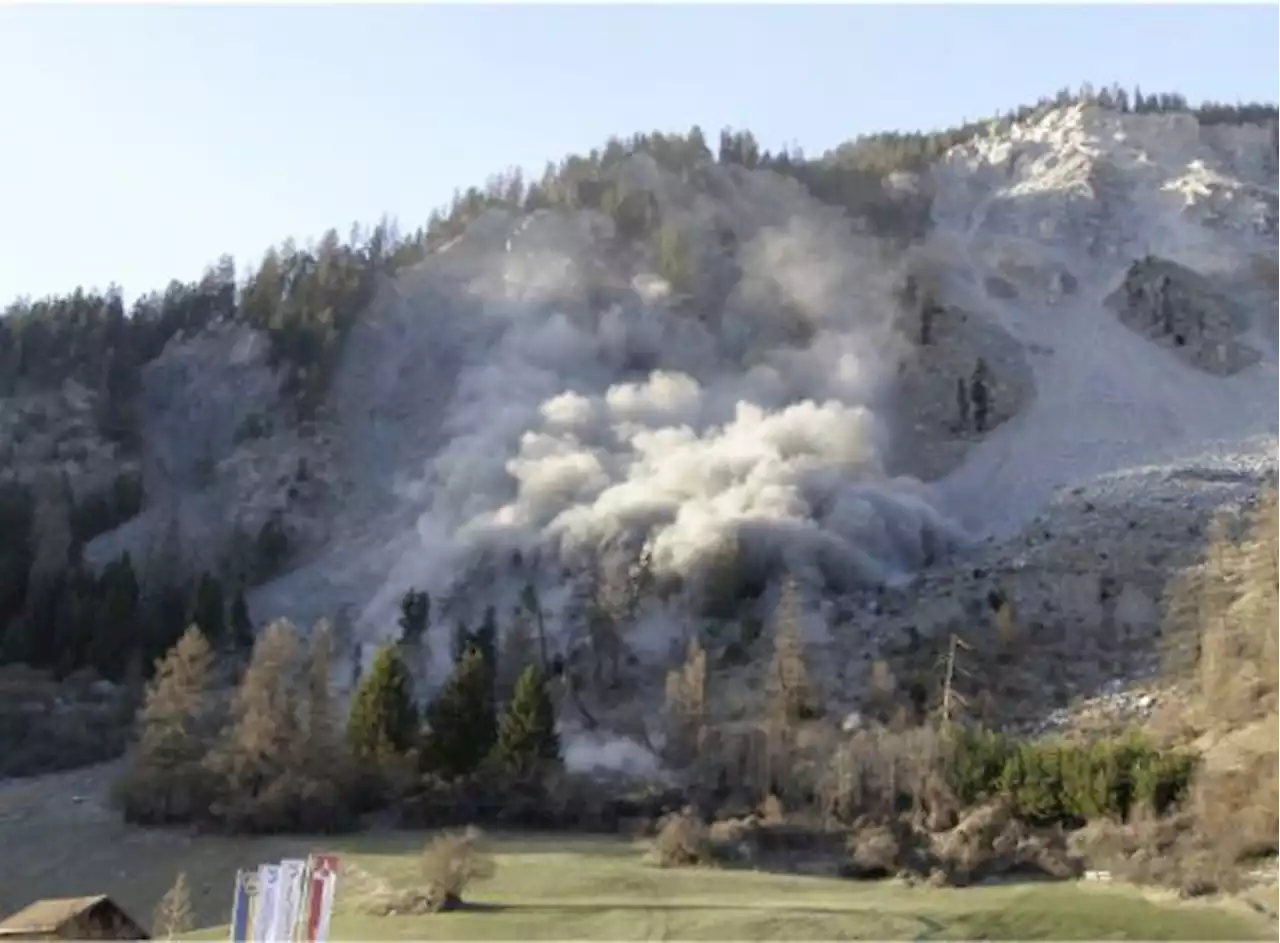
(72,918)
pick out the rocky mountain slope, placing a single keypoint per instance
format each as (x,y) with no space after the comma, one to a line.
(544,392)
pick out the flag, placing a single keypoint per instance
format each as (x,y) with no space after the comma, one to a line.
(321,886)
(289,901)
(264,914)
(242,905)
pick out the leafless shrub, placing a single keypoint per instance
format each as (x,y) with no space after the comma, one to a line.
(683,841)
(449,864)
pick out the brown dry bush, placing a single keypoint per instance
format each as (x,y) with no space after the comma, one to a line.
(988,842)
(1168,851)
(877,850)
(451,863)
(683,841)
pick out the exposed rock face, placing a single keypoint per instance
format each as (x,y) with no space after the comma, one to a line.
(938,419)
(1185,312)
(222,459)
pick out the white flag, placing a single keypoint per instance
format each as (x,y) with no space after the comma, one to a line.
(289,901)
(264,914)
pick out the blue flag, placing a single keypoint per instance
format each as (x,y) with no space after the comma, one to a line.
(246,886)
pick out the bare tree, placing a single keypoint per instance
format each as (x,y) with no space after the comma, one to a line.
(686,707)
(790,692)
(173,914)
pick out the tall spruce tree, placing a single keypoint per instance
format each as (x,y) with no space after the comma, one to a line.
(527,739)
(240,623)
(415,615)
(209,611)
(383,721)
(461,719)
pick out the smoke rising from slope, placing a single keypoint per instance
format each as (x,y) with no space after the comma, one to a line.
(673,423)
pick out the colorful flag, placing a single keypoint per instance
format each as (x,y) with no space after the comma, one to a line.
(265,912)
(242,905)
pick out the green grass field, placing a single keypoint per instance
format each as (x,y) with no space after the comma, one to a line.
(57,841)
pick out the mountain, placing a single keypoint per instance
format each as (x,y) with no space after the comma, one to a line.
(1024,360)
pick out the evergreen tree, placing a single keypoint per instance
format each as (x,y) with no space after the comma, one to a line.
(115,636)
(486,642)
(461,719)
(383,719)
(518,652)
(527,739)
(209,611)
(240,623)
(415,615)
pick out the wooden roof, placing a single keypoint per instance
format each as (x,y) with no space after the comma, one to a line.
(46,916)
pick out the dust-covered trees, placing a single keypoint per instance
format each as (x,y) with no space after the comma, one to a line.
(167,779)
(518,652)
(686,707)
(791,694)
(675,259)
(415,616)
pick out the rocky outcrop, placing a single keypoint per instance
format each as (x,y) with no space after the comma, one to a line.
(1184,311)
(971,378)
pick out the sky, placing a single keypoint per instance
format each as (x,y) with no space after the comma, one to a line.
(138,144)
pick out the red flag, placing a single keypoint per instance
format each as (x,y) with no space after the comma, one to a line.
(320,869)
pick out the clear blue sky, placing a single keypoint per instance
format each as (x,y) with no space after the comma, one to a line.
(138,144)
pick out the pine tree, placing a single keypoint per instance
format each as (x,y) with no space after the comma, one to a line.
(177,725)
(533,605)
(209,610)
(461,719)
(486,642)
(240,624)
(527,738)
(415,615)
(518,653)
(114,636)
(383,721)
